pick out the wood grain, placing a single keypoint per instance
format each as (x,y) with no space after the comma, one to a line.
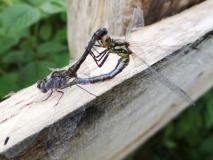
(129,108)
(84,17)
(156,10)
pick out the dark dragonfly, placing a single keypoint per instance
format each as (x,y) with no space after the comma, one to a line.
(122,49)
(60,79)
(112,46)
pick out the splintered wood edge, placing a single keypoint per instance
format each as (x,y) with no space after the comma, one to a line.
(23,115)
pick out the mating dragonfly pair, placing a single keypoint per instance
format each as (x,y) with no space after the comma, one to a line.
(61,79)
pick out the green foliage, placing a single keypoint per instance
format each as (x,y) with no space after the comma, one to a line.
(33,38)
(53,6)
(209,111)
(189,137)
(18,17)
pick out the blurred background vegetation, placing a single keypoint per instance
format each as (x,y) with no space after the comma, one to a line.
(33,38)
(188,137)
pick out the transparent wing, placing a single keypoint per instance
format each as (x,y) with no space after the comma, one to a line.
(136,21)
(147,48)
(71,62)
(83,71)
(165,81)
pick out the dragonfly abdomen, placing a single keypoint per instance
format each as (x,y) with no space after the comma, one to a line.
(119,67)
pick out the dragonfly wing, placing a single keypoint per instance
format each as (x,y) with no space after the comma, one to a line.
(157,46)
(165,81)
(84,70)
(136,21)
(71,62)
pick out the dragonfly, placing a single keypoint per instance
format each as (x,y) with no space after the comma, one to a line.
(59,79)
(122,48)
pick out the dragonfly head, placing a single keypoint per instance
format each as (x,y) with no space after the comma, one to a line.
(106,41)
(41,85)
(100,33)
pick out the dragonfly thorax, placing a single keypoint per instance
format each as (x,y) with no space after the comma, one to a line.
(51,83)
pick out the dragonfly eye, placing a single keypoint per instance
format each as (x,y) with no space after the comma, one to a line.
(41,85)
(101,32)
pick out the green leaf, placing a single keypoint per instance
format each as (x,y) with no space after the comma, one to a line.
(190,125)
(51,48)
(53,6)
(209,112)
(6,43)
(63,16)
(45,32)
(60,59)
(8,83)
(170,144)
(18,17)
(10,40)
(28,46)
(15,57)
(36,2)
(8,2)
(207,145)
(32,72)
(167,136)
(61,35)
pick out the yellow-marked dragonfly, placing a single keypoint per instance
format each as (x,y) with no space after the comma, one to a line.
(123,48)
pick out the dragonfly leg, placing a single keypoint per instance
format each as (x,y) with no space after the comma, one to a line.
(48,96)
(98,45)
(99,54)
(104,56)
(95,51)
(86,90)
(104,59)
(62,93)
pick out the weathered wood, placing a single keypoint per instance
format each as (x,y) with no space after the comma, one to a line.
(86,16)
(156,10)
(129,108)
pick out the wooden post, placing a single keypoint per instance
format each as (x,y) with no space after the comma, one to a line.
(84,17)
(127,110)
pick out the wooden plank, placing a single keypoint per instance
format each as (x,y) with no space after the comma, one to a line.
(156,10)
(84,17)
(127,108)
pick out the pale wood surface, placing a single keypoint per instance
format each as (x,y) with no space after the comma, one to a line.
(84,17)
(156,10)
(21,117)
